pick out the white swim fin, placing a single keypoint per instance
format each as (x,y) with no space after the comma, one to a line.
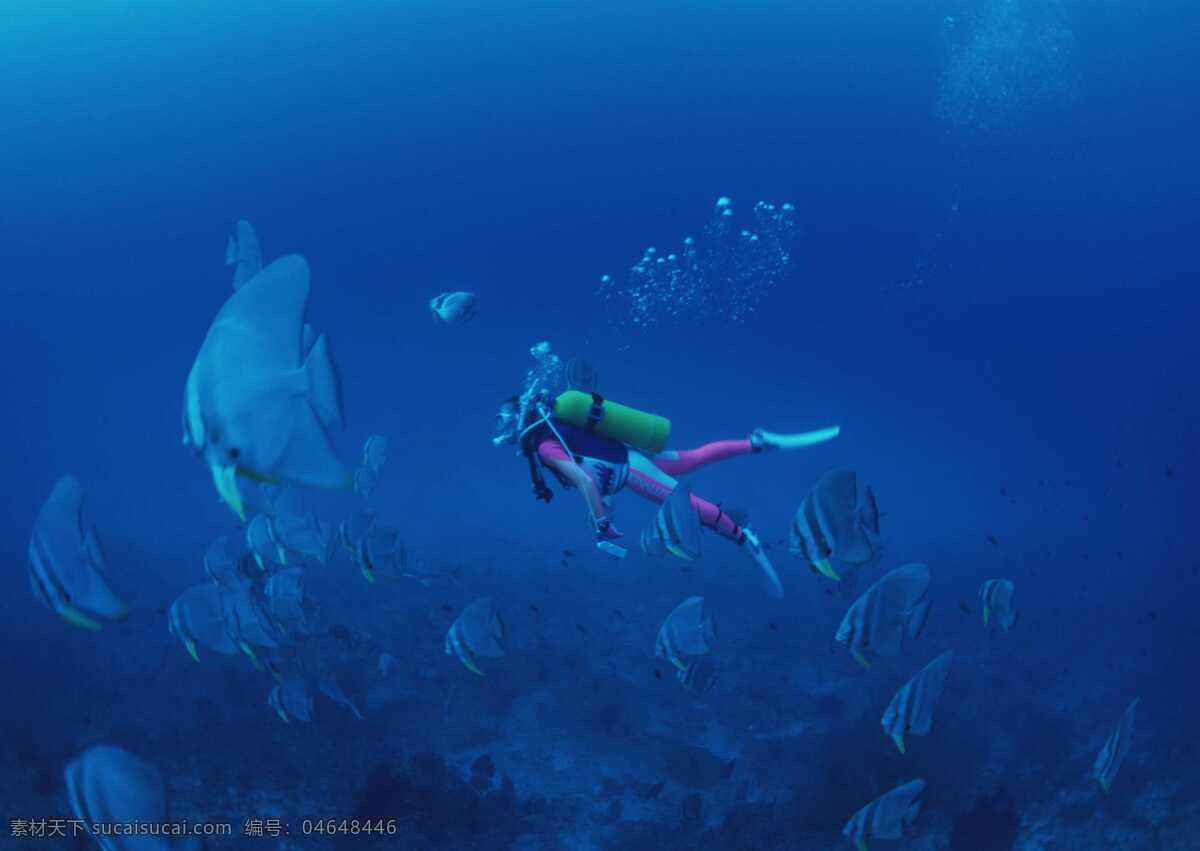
(768,441)
(770,578)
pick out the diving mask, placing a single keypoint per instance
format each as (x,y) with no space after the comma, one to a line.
(508,424)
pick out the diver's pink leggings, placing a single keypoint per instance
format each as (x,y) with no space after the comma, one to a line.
(652,478)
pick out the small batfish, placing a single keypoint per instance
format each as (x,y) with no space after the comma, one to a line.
(997,598)
(895,607)
(381,553)
(830,524)
(353,529)
(580,375)
(248,622)
(911,710)
(332,689)
(675,528)
(365,482)
(108,785)
(67,566)
(263,541)
(291,699)
(305,535)
(479,631)
(890,816)
(225,563)
(375,453)
(1109,760)
(454,308)
(287,603)
(197,619)
(687,631)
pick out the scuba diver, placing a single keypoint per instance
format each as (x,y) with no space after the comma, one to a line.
(599,447)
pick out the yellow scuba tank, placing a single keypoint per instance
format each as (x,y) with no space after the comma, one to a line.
(591,411)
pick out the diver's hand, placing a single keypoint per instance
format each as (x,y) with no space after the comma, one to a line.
(606,531)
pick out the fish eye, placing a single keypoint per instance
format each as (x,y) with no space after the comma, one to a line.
(234,453)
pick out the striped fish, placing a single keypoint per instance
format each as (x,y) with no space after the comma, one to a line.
(67,566)
(478,631)
(831,525)
(997,598)
(890,816)
(911,710)
(687,631)
(896,607)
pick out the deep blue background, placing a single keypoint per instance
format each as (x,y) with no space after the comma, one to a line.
(521,150)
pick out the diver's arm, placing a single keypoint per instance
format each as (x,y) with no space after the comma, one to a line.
(576,476)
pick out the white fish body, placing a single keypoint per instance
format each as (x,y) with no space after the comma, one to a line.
(454,308)
(254,404)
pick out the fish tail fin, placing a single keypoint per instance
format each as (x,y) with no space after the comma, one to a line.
(825,568)
(77,618)
(324,384)
(249,651)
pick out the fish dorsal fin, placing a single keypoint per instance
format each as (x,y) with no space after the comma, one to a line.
(264,318)
(245,252)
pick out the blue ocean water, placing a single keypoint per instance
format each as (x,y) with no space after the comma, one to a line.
(992,290)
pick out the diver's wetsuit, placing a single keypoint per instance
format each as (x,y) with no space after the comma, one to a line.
(611,465)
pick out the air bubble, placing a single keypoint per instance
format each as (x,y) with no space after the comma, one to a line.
(723,275)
